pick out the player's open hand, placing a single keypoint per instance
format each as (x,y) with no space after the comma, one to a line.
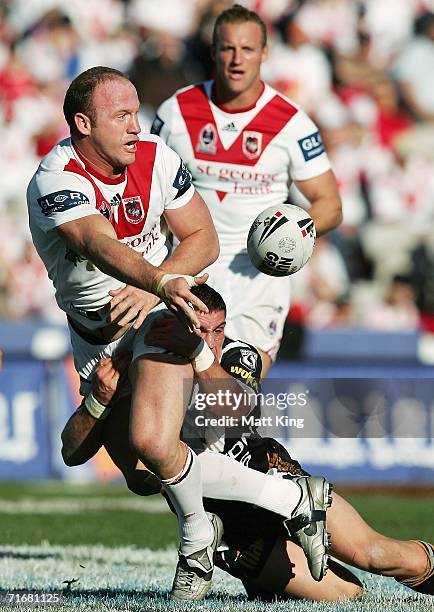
(130,304)
(174,290)
(169,333)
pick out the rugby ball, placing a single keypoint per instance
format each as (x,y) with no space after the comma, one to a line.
(281,240)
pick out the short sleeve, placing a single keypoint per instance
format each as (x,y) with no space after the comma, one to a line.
(243,362)
(179,186)
(308,158)
(54,199)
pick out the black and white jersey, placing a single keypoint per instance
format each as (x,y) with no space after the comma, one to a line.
(201,431)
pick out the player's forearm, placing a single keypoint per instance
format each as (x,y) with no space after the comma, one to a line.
(194,253)
(326,214)
(323,194)
(81,437)
(117,260)
(224,394)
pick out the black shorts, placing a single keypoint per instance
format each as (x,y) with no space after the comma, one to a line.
(251,532)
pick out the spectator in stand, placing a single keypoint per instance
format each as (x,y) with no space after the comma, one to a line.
(383,164)
(397,312)
(414,69)
(162,67)
(294,58)
(392,118)
(321,289)
(389,25)
(24,275)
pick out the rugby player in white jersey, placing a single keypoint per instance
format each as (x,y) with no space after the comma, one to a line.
(259,551)
(98,205)
(244,144)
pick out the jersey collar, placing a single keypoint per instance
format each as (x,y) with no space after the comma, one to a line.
(238,110)
(94,172)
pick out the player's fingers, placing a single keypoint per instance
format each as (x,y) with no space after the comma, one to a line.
(186,314)
(200,280)
(114,292)
(104,366)
(128,316)
(140,318)
(121,309)
(118,295)
(195,301)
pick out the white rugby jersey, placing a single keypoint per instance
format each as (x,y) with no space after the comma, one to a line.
(241,162)
(65,188)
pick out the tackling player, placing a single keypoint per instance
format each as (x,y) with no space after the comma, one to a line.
(259,551)
(244,144)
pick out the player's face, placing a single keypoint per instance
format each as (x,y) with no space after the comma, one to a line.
(238,55)
(113,136)
(212,330)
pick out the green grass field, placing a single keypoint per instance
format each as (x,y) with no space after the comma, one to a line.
(121,550)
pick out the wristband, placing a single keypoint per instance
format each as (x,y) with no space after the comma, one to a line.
(159,281)
(95,408)
(202,357)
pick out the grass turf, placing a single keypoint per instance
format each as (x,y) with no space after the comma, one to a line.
(123,558)
(398,516)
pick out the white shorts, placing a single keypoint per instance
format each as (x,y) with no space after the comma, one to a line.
(87,355)
(257,304)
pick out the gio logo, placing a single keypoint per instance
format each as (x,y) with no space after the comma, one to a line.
(311,146)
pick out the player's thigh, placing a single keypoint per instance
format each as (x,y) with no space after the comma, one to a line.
(116,442)
(286,572)
(160,394)
(161,388)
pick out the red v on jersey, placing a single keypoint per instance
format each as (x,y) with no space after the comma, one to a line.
(270,120)
(134,205)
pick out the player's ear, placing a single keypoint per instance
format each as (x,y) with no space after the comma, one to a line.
(265,50)
(82,123)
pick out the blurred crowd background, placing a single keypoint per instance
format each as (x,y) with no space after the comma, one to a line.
(364,71)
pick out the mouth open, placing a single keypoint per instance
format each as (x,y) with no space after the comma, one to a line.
(236,75)
(131,146)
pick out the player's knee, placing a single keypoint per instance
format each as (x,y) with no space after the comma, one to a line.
(151,448)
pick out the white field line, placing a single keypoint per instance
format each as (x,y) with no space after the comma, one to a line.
(68,505)
(137,580)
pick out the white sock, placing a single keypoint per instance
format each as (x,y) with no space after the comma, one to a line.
(185,493)
(226,478)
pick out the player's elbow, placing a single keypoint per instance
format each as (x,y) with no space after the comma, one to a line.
(336,216)
(68,458)
(214,249)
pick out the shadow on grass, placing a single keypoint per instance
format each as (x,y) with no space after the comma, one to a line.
(11,554)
